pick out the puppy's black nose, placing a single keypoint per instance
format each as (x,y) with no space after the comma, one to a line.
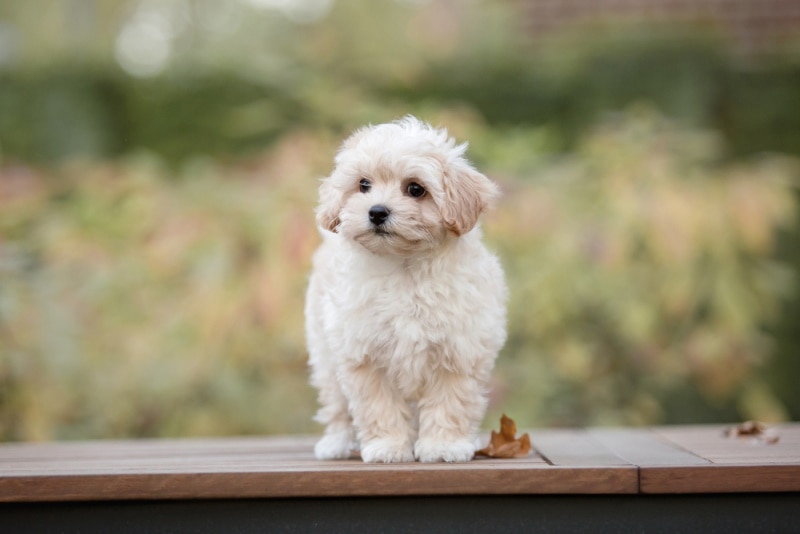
(378,214)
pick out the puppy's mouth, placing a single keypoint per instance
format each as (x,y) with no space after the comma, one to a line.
(379,230)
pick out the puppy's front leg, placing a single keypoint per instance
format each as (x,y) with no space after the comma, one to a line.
(381,416)
(339,435)
(450,413)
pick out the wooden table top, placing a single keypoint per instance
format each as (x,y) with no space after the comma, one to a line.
(659,460)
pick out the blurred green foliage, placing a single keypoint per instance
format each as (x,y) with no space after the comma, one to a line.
(138,302)
(643,269)
(155,231)
(372,61)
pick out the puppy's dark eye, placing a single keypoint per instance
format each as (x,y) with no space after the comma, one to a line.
(415,190)
(364,185)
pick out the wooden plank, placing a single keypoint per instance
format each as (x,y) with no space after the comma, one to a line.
(147,448)
(267,467)
(735,464)
(355,480)
(712,443)
(571,447)
(713,478)
(644,448)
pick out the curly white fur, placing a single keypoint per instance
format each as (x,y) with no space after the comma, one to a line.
(404,319)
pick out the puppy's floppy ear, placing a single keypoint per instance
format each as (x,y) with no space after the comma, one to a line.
(467,193)
(331,201)
(331,194)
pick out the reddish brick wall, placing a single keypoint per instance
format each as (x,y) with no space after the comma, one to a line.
(753,25)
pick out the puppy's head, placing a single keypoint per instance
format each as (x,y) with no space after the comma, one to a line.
(401,188)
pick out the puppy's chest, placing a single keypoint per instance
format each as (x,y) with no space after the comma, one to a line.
(397,314)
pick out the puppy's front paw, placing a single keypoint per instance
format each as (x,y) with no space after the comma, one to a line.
(387,450)
(334,446)
(431,450)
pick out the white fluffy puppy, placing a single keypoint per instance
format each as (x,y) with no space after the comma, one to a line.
(405,311)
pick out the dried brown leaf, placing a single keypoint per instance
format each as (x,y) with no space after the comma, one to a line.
(508,428)
(748,428)
(505,444)
(755,430)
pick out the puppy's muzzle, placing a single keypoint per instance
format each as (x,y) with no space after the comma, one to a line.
(378,214)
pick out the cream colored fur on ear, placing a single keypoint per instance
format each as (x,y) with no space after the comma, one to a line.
(330,202)
(467,194)
(331,196)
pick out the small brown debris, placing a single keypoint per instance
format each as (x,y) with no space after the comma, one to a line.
(505,444)
(755,430)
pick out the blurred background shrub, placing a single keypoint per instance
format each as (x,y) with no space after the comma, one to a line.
(159,164)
